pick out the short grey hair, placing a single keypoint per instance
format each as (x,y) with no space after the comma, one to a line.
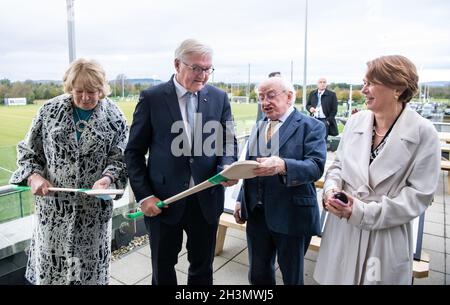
(192,46)
(285,84)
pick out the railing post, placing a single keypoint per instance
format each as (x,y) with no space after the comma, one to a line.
(21,205)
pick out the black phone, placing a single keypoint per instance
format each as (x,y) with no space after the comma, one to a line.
(341,196)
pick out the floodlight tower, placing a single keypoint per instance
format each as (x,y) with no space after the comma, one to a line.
(71,29)
(305,57)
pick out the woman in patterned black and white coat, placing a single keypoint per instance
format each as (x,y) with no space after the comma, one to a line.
(77,140)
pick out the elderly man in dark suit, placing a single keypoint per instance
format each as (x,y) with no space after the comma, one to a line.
(322,104)
(280,204)
(169,123)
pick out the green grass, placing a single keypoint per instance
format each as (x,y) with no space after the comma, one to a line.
(15,122)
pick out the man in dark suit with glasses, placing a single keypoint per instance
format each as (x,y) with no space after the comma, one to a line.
(166,113)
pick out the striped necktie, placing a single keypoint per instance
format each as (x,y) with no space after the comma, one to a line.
(270,129)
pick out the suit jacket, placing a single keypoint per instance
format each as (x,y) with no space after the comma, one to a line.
(329,107)
(290,202)
(166,174)
(388,194)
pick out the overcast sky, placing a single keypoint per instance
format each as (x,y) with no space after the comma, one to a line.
(138,37)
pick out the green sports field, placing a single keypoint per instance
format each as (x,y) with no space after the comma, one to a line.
(15,122)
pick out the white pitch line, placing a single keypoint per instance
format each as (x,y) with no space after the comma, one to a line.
(6,170)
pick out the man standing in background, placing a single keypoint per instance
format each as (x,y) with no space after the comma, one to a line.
(322,104)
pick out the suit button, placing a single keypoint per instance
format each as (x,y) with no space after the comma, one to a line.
(186,184)
(191,160)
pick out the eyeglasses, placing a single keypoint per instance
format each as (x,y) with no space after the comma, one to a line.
(269,96)
(199,70)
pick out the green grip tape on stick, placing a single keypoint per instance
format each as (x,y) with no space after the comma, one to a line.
(22,188)
(159,204)
(134,215)
(217,179)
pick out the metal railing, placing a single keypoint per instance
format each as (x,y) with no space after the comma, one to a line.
(10,199)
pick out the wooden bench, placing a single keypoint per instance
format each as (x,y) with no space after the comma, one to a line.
(420,268)
(445,166)
(444,136)
(445,148)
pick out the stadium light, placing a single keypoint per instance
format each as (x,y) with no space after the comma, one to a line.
(305,58)
(71,29)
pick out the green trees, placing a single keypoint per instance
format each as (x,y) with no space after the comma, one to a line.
(29,89)
(48,89)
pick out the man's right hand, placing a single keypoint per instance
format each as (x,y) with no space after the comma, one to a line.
(312,109)
(149,207)
(237,213)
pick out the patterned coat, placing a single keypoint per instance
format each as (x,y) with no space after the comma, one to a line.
(72,232)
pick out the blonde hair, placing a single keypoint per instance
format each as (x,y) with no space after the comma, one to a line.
(89,73)
(395,72)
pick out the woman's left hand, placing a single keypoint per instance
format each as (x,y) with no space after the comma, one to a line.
(336,207)
(102,183)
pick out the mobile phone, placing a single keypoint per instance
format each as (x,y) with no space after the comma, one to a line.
(341,197)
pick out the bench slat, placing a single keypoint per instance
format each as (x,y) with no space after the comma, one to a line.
(420,268)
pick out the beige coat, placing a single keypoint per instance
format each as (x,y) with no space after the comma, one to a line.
(375,245)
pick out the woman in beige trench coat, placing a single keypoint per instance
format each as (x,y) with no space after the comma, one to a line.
(388,164)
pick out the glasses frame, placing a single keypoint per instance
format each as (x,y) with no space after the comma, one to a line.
(267,98)
(199,70)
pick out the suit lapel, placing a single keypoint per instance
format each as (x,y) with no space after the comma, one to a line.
(256,140)
(172,101)
(360,148)
(395,154)
(203,103)
(288,128)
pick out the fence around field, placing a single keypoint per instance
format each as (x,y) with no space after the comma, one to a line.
(14,204)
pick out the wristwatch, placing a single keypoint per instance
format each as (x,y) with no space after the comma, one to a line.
(109,176)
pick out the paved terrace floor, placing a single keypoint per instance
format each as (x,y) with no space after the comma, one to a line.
(231,266)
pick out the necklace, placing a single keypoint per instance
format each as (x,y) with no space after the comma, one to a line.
(380,135)
(80,125)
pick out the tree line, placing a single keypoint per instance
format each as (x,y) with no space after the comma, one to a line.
(122,86)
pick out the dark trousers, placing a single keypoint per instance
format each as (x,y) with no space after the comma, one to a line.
(327,128)
(264,245)
(166,242)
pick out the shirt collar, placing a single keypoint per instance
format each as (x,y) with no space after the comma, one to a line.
(284,117)
(179,89)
